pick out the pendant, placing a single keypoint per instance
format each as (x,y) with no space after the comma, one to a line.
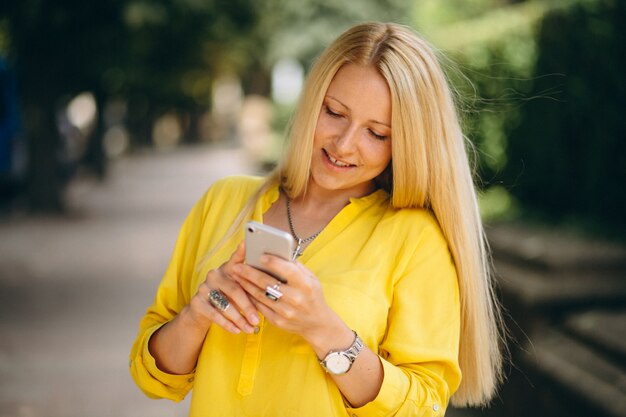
(298,250)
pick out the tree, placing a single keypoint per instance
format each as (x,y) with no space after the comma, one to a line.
(147,53)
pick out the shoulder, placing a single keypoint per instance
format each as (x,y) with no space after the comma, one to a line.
(232,192)
(423,256)
(414,222)
(417,233)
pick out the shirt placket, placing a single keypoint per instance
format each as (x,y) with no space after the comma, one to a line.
(250,362)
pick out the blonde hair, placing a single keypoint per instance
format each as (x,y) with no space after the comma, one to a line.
(429,169)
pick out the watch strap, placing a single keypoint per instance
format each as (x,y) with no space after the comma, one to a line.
(353,351)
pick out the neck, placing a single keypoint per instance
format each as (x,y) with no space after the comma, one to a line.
(307,215)
(317,198)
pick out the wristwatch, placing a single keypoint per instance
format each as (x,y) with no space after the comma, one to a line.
(339,362)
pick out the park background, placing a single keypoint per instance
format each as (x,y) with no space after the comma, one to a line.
(116,115)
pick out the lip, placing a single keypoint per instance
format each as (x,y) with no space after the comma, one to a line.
(326,157)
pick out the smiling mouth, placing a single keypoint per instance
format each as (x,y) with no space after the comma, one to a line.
(337,162)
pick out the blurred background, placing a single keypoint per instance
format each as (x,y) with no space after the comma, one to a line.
(116,115)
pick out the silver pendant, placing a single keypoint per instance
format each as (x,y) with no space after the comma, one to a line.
(297,252)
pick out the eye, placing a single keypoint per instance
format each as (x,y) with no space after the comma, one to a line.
(376,135)
(330,112)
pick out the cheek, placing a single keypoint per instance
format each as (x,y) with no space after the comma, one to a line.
(380,155)
(329,127)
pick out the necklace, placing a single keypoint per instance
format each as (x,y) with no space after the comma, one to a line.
(298,251)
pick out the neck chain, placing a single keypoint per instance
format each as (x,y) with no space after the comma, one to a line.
(300,242)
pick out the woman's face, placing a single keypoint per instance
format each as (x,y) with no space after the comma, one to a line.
(352,143)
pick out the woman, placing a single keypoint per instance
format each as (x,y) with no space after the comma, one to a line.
(389,300)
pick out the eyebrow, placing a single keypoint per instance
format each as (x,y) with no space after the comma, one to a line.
(346,107)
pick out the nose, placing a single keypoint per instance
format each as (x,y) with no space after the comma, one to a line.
(347,140)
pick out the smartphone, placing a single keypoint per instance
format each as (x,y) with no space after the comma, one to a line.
(262,239)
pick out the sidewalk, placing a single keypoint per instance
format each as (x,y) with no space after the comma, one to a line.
(73,289)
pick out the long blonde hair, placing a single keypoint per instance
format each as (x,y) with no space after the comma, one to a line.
(429,169)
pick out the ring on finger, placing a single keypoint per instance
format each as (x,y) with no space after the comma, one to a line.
(273,292)
(219,300)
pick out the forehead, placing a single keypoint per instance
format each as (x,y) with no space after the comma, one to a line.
(362,89)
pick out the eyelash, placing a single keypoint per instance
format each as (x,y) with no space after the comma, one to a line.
(331,113)
(337,115)
(376,135)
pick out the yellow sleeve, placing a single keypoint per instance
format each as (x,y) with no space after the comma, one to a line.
(173,294)
(419,352)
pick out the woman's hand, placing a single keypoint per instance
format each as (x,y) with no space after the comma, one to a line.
(177,344)
(300,308)
(236,313)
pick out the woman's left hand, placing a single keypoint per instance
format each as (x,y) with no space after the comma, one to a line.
(301,309)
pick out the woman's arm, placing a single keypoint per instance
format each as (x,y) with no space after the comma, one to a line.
(176,346)
(171,333)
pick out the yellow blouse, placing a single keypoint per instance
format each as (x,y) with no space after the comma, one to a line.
(387,272)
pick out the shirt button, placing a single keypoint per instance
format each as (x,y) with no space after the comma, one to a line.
(190,380)
(436,407)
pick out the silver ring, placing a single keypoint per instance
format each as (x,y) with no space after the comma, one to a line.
(273,292)
(219,300)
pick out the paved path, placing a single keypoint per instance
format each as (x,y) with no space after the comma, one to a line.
(72,289)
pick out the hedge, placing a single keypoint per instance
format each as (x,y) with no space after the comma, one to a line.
(544,91)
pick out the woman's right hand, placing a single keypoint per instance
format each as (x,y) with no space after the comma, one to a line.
(176,345)
(240,314)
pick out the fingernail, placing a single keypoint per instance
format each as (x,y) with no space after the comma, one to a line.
(249,329)
(235,330)
(253,318)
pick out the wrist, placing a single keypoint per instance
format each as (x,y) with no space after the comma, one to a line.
(333,336)
(192,321)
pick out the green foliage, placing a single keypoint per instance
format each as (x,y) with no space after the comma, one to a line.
(497,204)
(493,57)
(163,50)
(155,55)
(4,37)
(175,48)
(302,29)
(542,94)
(433,14)
(568,156)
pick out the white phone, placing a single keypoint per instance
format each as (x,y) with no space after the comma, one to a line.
(262,239)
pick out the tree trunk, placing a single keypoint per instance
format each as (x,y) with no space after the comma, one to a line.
(45,185)
(94,158)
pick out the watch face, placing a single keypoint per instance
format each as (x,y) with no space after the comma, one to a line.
(337,363)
